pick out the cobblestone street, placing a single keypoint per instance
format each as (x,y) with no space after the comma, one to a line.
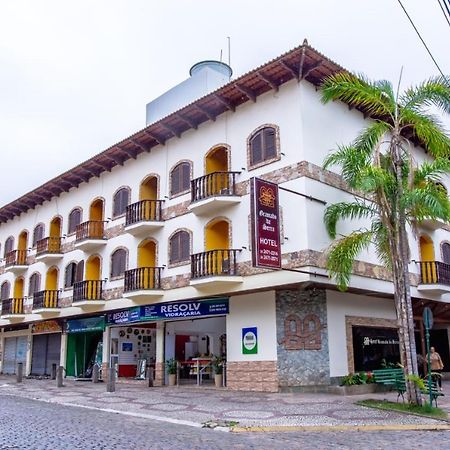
(29,424)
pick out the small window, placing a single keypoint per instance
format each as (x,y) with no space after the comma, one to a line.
(34,284)
(446,252)
(120,201)
(74,220)
(5,291)
(73,274)
(179,247)
(38,233)
(9,244)
(180,178)
(118,263)
(263,146)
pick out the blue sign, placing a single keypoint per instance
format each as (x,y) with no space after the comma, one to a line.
(182,310)
(250,341)
(173,310)
(86,325)
(127,316)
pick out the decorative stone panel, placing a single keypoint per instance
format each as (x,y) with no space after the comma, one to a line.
(114,231)
(252,376)
(159,374)
(112,294)
(302,338)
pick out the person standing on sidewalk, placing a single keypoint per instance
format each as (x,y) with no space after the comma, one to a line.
(436,366)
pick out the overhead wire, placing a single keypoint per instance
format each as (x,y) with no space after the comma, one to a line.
(446,14)
(423,42)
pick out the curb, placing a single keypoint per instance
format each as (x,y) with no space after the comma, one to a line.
(330,428)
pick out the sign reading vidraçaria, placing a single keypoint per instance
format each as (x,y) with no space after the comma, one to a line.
(266,245)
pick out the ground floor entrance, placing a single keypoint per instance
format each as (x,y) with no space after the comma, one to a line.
(15,351)
(46,353)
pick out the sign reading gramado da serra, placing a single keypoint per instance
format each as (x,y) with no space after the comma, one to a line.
(173,310)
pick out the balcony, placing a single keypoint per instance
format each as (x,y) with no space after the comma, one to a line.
(212,192)
(90,235)
(88,294)
(48,250)
(214,268)
(434,277)
(13,309)
(143,217)
(143,283)
(16,261)
(46,303)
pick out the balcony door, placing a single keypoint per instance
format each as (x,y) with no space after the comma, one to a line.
(55,227)
(93,270)
(146,264)
(428,268)
(149,191)
(18,288)
(51,288)
(96,210)
(217,240)
(216,160)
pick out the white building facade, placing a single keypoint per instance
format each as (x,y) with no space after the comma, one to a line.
(143,252)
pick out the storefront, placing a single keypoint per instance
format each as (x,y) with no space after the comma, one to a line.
(15,351)
(16,343)
(375,348)
(84,345)
(139,334)
(46,347)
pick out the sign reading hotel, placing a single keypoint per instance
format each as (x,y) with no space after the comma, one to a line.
(266,245)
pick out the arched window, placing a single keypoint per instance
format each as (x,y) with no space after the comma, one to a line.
(262,146)
(179,247)
(5,291)
(74,220)
(118,262)
(38,233)
(180,178)
(120,201)
(445,247)
(73,273)
(34,284)
(9,244)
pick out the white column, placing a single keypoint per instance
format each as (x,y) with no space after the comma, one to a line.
(2,346)
(160,334)
(29,351)
(63,353)
(106,345)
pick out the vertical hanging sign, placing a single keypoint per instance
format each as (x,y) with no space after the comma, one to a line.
(266,245)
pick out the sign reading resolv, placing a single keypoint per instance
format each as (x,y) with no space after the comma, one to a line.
(266,245)
(249,341)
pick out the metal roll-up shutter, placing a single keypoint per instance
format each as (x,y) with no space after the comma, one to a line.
(39,357)
(21,350)
(9,356)
(53,351)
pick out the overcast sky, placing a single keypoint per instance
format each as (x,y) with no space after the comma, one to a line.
(75,76)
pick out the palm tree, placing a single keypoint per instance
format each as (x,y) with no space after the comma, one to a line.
(392,189)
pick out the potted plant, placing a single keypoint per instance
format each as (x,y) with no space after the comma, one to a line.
(172,366)
(217,366)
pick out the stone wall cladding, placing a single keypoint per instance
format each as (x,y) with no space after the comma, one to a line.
(159,374)
(258,376)
(302,367)
(115,231)
(112,294)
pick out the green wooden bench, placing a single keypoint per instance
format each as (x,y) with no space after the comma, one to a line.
(435,392)
(394,377)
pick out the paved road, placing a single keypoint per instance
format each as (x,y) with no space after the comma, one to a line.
(30,424)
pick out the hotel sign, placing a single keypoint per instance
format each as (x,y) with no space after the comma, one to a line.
(266,244)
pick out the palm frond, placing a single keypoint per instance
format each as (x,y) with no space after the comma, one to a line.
(429,201)
(343,252)
(431,171)
(433,92)
(346,210)
(429,130)
(358,91)
(381,243)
